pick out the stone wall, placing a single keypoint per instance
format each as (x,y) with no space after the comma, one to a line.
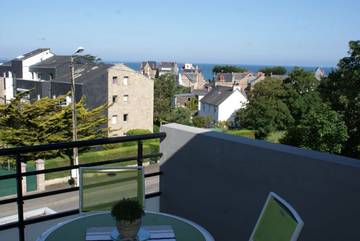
(140,100)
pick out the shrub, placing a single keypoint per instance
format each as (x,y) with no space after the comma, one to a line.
(127,209)
(201,121)
(133,132)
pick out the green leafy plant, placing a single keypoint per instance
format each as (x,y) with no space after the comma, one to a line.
(127,210)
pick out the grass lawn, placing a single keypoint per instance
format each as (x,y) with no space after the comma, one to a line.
(117,151)
(242,132)
(275,136)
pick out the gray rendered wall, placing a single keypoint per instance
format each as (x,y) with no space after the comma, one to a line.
(222,181)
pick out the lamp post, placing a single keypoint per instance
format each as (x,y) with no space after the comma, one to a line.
(75,160)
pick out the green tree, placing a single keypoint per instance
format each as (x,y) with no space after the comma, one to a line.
(342,90)
(180,115)
(46,121)
(228,69)
(277,70)
(301,92)
(266,111)
(192,104)
(164,90)
(87,59)
(319,129)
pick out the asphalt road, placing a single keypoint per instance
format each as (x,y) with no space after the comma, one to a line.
(65,201)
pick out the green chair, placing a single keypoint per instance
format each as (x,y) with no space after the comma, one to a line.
(278,221)
(101,187)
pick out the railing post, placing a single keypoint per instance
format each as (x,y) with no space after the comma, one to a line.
(23,179)
(20,201)
(140,153)
(40,178)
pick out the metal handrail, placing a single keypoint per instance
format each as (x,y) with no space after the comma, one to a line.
(18,151)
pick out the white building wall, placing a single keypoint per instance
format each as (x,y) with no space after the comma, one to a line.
(9,87)
(34,60)
(228,108)
(199,102)
(209,110)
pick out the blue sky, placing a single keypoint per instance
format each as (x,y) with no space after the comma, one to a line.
(306,32)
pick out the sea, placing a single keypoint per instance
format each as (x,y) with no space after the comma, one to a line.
(208,74)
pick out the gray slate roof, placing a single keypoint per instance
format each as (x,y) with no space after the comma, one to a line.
(33,53)
(83,72)
(200,92)
(55,61)
(167,65)
(152,64)
(217,95)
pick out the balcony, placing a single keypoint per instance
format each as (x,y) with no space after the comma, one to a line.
(221,182)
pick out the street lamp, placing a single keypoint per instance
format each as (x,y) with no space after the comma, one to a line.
(75,160)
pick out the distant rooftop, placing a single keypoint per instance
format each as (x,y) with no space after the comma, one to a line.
(32,53)
(217,95)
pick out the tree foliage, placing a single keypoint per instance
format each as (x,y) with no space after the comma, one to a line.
(192,104)
(87,59)
(266,111)
(277,70)
(46,121)
(342,90)
(228,69)
(180,115)
(164,90)
(319,129)
(301,92)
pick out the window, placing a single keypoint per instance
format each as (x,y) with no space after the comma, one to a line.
(114,98)
(126,80)
(38,97)
(39,76)
(126,117)
(114,119)
(114,79)
(126,98)
(51,76)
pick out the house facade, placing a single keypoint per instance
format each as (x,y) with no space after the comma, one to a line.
(132,97)
(2,90)
(231,79)
(168,68)
(182,100)
(192,79)
(149,69)
(129,93)
(222,102)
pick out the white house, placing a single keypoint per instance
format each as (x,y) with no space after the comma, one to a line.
(222,102)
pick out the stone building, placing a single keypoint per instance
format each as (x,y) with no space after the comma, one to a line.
(149,69)
(129,93)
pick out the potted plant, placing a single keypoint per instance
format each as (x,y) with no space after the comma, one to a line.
(127,213)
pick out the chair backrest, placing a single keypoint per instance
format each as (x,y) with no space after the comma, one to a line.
(101,187)
(278,221)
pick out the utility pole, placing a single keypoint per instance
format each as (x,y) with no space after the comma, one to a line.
(75,160)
